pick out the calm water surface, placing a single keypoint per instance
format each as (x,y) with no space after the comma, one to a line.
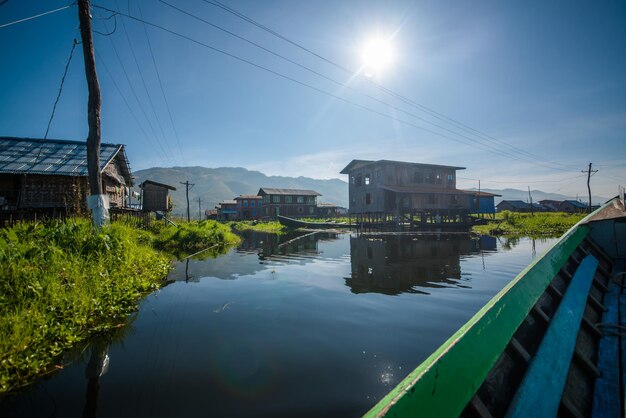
(300,325)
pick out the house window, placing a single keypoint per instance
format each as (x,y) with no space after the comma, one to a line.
(432,198)
(311,210)
(450,177)
(368,198)
(254,213)
(367,179)
(288,199)
(276,199)
(418,176)
(438,178)
(245,203)
(252,203)
(300,209)
(266,198)
(300,199)
(310,200)
(429,178)
(358,181)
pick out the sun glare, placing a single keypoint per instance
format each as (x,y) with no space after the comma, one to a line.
(377,56)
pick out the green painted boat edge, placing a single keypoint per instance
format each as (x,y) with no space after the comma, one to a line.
(447,380)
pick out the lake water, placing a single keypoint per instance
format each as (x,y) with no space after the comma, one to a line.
(319,325)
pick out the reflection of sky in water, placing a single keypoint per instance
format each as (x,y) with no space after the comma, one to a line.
(287,330)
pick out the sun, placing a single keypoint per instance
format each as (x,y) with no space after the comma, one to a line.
(377,55)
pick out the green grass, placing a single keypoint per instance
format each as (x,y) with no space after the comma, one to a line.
(542,224)
(61,283)
(272,227)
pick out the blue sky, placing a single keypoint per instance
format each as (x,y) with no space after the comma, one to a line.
(543,84)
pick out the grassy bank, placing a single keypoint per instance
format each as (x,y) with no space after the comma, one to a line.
(525,224)
(272,227)
(60,284)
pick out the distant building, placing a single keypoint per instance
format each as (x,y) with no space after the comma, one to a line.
(50,175)
(519,206)
(572,206)
(550,205)
(154,196)
(330,210)
(249,207)
(398,187)
(293,203)
(210,214)
(482,202)
(227,210)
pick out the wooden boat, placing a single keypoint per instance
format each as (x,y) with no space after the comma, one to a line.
(297,223)
(550,344)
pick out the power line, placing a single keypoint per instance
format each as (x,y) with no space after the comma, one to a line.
(485,148)
(54,107)
(36,16)
(132,89)
(145,87)
(156,69)
(421,107)
(132,112)
(498,151)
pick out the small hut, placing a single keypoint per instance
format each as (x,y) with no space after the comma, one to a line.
(50,175)
(154,196)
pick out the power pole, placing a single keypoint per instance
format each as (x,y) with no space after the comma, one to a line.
(199,210)
(589,171)
(188,186)
(96,201)
(530,198)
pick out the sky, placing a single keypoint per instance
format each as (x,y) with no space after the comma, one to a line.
(522,94)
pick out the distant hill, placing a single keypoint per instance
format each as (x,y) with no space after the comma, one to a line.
(213,185)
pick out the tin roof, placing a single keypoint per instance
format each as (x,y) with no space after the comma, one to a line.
(354,164)
(248,196)
(166,186)
(267,190)
(56,157)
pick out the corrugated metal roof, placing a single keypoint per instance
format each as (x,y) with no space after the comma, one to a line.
(294,192)
(55,157)
(354,164)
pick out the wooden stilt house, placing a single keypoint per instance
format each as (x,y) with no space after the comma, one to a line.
(50,175)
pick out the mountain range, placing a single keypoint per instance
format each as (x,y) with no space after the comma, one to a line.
(213,185)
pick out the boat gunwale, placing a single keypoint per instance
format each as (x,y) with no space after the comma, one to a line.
(447,380)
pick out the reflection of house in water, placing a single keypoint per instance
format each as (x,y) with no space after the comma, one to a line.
(394,264)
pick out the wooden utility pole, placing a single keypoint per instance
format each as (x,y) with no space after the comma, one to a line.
(589,171)
(188,186)
(96,203)
(199,210)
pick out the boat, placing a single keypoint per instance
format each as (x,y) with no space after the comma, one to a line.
(550,344)
(297,223)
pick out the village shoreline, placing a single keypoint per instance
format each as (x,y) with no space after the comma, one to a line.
(62,283)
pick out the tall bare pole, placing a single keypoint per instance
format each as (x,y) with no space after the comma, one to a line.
(530,198)
(93,112)
(589,171)
(199,209)
(187,187)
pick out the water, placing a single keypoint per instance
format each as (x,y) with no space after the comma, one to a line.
(300,325)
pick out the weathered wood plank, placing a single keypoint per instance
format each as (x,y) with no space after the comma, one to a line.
(540,393)
(606,401)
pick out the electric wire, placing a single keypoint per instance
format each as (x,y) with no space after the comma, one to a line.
(54,107)
(244,60)
(132,89)
(132,112)
(145,87)
(156,69)
(343,85)
(4,25)
(413,103)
